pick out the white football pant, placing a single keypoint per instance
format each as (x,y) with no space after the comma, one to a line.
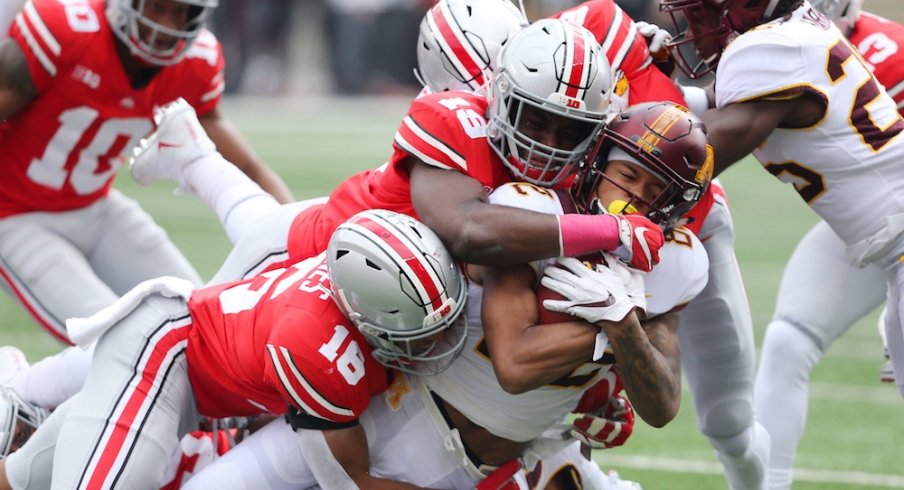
(820,297)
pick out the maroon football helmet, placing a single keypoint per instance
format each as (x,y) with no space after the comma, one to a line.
(669,142)
(710,24)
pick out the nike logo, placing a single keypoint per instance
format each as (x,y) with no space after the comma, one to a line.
(641,231)
(162,144)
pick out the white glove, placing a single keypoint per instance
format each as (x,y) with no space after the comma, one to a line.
(656,36)
(592,295)
(633,281)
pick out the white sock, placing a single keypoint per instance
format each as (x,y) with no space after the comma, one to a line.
(53,380)
(235,198)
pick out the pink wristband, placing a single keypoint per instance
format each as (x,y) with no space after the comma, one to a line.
(583,233)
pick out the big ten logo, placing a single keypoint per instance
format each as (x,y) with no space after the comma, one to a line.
(474,124)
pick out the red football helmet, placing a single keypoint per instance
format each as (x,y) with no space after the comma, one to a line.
(666,140)
(710,24)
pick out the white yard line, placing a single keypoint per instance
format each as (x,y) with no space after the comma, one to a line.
(608,460)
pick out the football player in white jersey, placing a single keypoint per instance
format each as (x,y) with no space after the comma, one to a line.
(821,295)
(719,318)
(544,368)
(815,117)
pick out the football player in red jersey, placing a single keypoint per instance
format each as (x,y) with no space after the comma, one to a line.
(502,410)
(317,337)
(79,81)
(537,123)
(804,325)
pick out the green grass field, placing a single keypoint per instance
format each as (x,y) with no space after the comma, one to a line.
(854,422)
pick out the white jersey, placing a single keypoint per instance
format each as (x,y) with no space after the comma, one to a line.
(470,384)
(847,166)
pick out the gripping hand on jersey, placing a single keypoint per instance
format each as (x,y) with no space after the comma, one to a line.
(639,241)
(657,37)
(593,294)
(609,427)
(657,41)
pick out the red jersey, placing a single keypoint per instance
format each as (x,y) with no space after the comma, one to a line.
(62,150)
(881,42)
(278,339)
(446,130)
(626,51)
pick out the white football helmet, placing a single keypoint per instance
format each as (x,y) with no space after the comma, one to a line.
(844,13)
(558,69)
(140,33)
(460,41)
(18,420)
(392,277)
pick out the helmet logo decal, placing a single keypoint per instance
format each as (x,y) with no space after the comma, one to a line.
(705,174)
(649,141)
(561,99)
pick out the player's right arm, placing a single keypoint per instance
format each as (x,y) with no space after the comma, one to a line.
(344,460)
(455,207)
(442,144)
(16,86)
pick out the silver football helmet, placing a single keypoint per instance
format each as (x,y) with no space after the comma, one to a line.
(18,420)
(553,79)
(460,41)
(844,13)
(141,34)
(392,277)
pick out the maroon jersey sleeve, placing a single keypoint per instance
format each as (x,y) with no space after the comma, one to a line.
(881,42)
(52,35)
(322,366)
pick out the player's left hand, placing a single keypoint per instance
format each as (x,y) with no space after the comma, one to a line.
(657,41)
(608,428)
(656,37)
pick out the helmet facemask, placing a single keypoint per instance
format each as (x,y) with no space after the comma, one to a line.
(527,158)
(141,34)
(18,421)
(662,139)
(702,35)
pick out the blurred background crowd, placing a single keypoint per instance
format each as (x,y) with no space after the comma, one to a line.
(344,47)
(355,47)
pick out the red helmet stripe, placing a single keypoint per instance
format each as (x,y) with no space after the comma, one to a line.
(579,63)
(453,38)
(428,284)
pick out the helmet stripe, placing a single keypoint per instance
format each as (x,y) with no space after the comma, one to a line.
(577,56)
(408,257)
(453,42)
